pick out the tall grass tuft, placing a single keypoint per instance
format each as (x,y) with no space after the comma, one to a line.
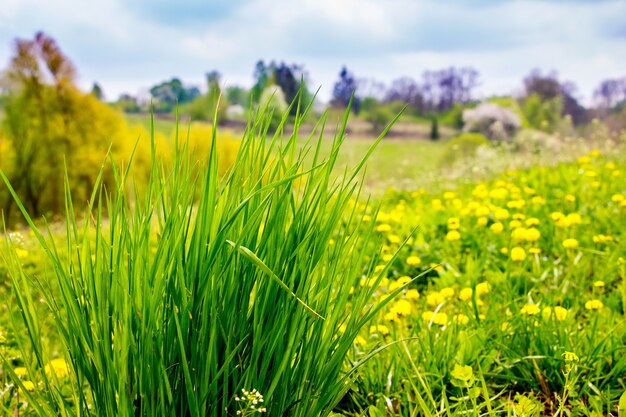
(172,306)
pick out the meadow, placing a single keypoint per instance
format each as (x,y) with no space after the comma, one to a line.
(327,274)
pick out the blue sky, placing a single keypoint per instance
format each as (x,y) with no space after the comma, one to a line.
(130,45)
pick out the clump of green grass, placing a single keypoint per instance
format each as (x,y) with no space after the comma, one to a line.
(168,306)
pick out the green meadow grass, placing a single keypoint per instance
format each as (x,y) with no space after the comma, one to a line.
(284,281)
(167,306)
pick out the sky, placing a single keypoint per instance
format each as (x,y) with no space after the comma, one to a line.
(128,46)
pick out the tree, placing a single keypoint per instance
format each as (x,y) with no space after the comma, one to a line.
(290,78)
(548,88)
(50,124)
(610,93)
(238,95)
(344,89)
(434,129)
(443,88)
(406,90)
(97,92)
(170,93)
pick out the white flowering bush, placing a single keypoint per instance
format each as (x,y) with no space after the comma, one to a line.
(491,120)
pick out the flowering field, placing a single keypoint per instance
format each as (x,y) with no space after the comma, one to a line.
(503,297)
(520,306)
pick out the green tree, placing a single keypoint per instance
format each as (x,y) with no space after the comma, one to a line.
(434,129)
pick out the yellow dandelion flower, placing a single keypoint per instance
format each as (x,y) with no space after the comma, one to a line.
(533,221)
(460,319)
(360,340)
(412,294)
(395,239)
(599,284)
(532,234)
(447,292)
(556,215)
(497,227)
(538,200)
(402,307)
(392,316)
(534,251)
(28,386)
(482,288)
(617,198)
(570,198)
(434,298)
(482,221)
(594,305)
(59,367)
(570,243)
(413,260)
(454,223)
(501,214)
(574,218)
(518,254)
(466,294)
(383,228)
(530,310)
(379,329)
(453,235)
(20,371)
(560,313)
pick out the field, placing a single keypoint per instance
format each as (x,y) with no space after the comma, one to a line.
(488,286)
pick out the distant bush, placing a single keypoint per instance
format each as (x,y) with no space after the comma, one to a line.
(274,98)
(492,121)
(463,146)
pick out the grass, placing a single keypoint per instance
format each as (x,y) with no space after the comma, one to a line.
(172,307)
(285,278)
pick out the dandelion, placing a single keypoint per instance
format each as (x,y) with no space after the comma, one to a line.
(570,243)
(28,386)
(560,313)
(454,223)
(453,235)
(412,294)
(379,329)
(482,288)
(460,319)
(497,228)
(434,298)
(518,254)
(447,292)
(534,251)
(501,214)
(413,260)
(599,284)
(530,310)
(59,367)
(594,305)
(466,294)
(383,228)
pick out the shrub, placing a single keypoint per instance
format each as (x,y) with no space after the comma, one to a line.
(273,100)
(491,120)
(463,146)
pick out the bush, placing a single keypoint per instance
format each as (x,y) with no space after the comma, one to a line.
(463,146)
(273,99)
(492,121)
